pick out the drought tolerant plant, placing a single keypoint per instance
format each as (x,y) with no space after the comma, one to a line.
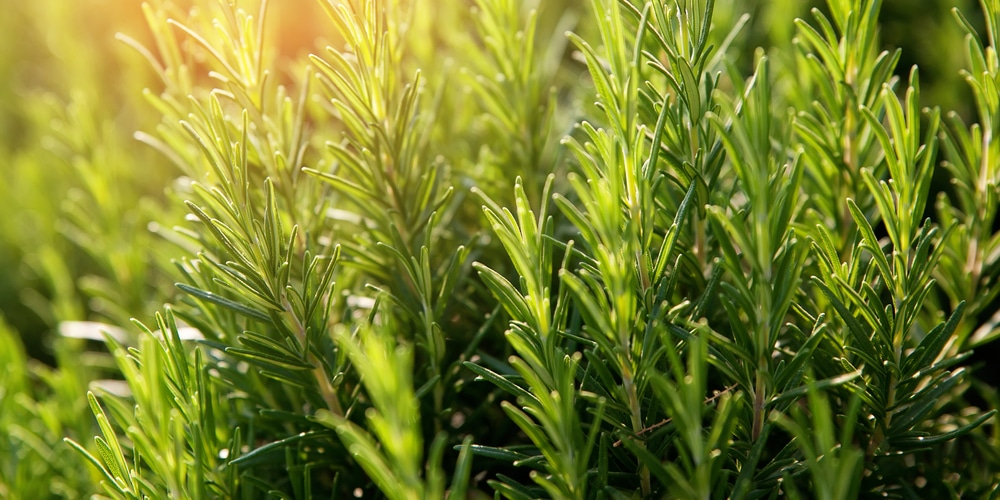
(634,261)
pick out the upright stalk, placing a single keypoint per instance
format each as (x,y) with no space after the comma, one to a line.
(628,382)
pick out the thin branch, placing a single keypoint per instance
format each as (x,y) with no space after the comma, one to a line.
(657,425)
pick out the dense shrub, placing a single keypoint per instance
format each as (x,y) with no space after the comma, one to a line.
(428,249)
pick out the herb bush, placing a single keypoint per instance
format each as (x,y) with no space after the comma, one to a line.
(565,251)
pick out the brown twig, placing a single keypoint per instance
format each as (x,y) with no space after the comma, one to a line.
(667,421)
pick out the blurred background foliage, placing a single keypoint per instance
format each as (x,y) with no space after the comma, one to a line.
(924,30)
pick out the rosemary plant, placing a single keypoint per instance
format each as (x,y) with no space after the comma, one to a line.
(613,250)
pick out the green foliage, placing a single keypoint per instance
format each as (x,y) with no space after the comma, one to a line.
(716,275)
